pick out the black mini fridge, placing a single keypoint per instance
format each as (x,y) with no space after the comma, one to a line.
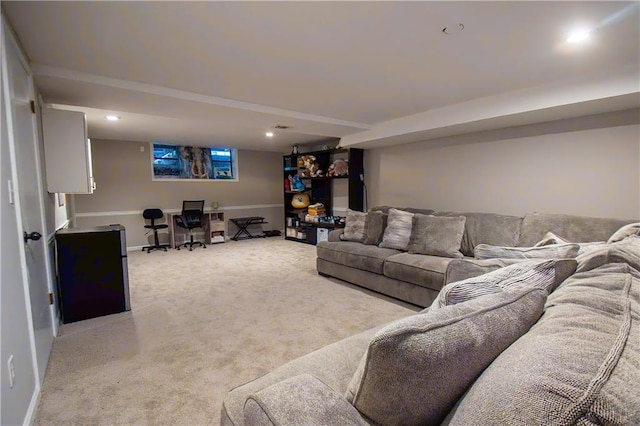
(92,272)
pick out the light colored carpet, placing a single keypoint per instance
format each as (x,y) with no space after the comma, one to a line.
(201,323)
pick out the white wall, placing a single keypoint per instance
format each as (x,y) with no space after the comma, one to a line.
(551,168)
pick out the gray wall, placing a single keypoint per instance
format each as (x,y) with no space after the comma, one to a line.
(586,166)
(125,187)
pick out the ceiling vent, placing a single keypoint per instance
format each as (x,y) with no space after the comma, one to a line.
(281,127)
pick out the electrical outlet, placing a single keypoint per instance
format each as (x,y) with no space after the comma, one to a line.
(12,371)
(141,148)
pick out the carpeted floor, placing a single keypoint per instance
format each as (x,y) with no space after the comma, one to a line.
(201,323)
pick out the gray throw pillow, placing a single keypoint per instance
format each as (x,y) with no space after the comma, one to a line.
(625,251)
(437,235)
(374,227)
(624,232)
(545,274)
(555,251)
(398,232)
(551,238)
(354,226)
(415,369)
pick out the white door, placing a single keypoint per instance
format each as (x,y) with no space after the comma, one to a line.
(30,202)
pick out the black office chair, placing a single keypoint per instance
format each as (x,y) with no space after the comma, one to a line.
(153,215)
(192,217)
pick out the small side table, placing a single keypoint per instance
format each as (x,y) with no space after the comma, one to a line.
(243,223)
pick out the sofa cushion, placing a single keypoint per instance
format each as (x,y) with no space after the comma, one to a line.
(300,400)
(578,229)
(546,274)
(375,225)
(461,269)
(354,226)
(437,235)
(343,356)
(624,232)
(624,251)
(355,255)
(579,365)
(487,228)
(416,368)
(419,269)
(555,251)
(385,209)
(398,231)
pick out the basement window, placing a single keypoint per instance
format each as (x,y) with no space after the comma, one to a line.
(181,162)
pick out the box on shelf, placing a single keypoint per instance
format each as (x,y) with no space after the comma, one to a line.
(322,234)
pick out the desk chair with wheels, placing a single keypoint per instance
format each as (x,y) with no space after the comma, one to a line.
(192,217)
(153,215)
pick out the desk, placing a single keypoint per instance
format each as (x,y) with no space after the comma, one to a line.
(213,227)
(242,223)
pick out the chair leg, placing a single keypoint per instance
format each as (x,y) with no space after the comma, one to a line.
(156,245)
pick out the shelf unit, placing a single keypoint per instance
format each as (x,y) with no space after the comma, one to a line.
(321,189)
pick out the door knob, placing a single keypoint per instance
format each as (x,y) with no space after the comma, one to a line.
(35,236)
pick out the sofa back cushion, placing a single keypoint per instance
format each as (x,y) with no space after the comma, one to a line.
(577,229)
(578,365)
(385,209)
(416,368)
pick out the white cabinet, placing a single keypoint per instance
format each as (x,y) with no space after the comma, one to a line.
(67,152)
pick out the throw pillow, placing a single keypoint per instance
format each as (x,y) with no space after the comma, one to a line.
(354,226)
(374,227)
(415,369)
(624,251)
(624,232)
(546,274)
(555,251)
(437,235)
(398,232)
(551,238)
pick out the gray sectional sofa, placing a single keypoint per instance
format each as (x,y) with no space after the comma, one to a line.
(533,341)
(417,278)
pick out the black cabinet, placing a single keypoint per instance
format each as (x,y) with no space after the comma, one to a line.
(313,176)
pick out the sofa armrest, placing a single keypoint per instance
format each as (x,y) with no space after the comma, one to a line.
(300,400)
(334,236)
(461,269)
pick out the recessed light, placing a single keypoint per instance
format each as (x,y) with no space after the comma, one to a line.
(578,36)
(112,117)
(269,134)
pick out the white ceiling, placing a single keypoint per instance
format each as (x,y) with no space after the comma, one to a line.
(370,73)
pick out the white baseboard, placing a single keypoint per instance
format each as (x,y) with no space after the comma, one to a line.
(30,416)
